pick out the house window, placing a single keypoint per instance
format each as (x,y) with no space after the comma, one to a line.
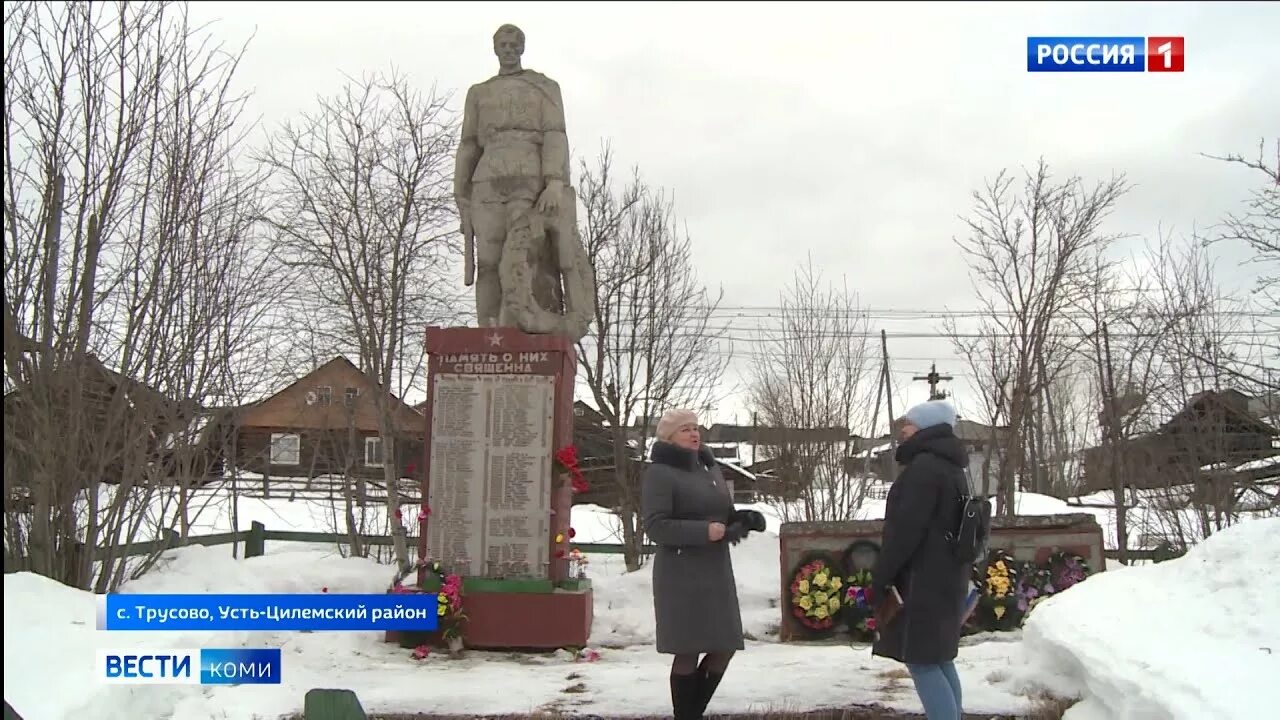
(373,452)
(286,449)
(324,395)
(350,395)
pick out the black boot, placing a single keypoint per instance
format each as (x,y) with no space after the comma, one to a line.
(708,682)
(685,695)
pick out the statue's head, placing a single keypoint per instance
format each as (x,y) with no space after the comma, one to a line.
(508,45)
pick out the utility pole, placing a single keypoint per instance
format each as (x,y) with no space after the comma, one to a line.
(874,414)
(755,435)
(933,378)
(888,393)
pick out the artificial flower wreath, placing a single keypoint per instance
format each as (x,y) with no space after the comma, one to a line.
(816,594)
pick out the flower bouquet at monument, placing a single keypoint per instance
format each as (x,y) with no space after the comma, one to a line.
(568,459)
(1066,569)
(578,563)
(998,602)
(1034,585)
(857,613)
(451,612)
(816,592)
(409,639)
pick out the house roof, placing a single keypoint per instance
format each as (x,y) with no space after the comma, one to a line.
(284,409)
(1236,404)
(1266,407)
(771,435)
(975,431)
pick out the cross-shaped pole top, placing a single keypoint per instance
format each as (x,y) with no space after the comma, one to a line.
(934,379)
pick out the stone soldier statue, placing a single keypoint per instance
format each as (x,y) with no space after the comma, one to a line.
(518,209)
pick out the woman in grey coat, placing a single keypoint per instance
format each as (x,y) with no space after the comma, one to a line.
(688,513)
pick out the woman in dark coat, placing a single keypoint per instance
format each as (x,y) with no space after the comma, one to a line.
(688,513)
(916,559)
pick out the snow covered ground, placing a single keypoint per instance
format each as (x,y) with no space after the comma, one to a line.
(50,641)
(1183,639)
(1186,639)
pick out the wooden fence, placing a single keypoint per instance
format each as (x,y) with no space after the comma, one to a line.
(255,539)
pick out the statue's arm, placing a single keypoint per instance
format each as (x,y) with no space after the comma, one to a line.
(468,148)
(555,139)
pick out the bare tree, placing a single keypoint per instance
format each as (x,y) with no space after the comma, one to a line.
(1258,228)
(1120,353)
(1029,255)
(1145,332)
(1200,340)
(991,367)
(652,345)
(807,384)
(134,278)
(363,214)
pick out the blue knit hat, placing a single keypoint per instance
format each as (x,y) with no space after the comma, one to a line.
(928,414)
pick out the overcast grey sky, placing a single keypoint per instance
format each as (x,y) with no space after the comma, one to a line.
(852,132)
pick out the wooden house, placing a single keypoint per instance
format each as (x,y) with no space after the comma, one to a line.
(327,423)
(762,461)
(594,440)
(983,443)
(1214,429)
(86,423)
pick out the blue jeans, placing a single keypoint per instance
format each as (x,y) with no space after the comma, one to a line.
(939,689)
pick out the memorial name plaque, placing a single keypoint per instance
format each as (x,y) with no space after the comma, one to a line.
(491,470)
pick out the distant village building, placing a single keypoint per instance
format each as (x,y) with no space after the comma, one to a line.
(983,443)
(1215,430)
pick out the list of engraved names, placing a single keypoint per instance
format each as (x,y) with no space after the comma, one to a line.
(490,483)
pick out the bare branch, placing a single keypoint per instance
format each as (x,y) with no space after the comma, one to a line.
(1030,254)
(652,345)
(364,218)
(134,277)
(808,386)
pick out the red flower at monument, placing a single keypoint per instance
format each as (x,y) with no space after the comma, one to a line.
(568,457)
(398,514)
(572,533)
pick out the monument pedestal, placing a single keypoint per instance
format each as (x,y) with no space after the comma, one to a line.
(499,407)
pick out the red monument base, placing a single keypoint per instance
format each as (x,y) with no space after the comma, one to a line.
(522,621)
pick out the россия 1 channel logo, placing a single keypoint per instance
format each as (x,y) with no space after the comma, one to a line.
(1105,54)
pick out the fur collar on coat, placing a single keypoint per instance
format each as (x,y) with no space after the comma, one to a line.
(666,453)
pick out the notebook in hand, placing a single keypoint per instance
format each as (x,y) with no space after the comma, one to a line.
(970,604)
(886,611)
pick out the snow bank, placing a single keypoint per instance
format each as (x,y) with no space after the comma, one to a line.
(1189,639)
(50,633)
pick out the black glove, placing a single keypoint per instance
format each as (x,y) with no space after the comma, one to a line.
(750,520)
(734,532)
